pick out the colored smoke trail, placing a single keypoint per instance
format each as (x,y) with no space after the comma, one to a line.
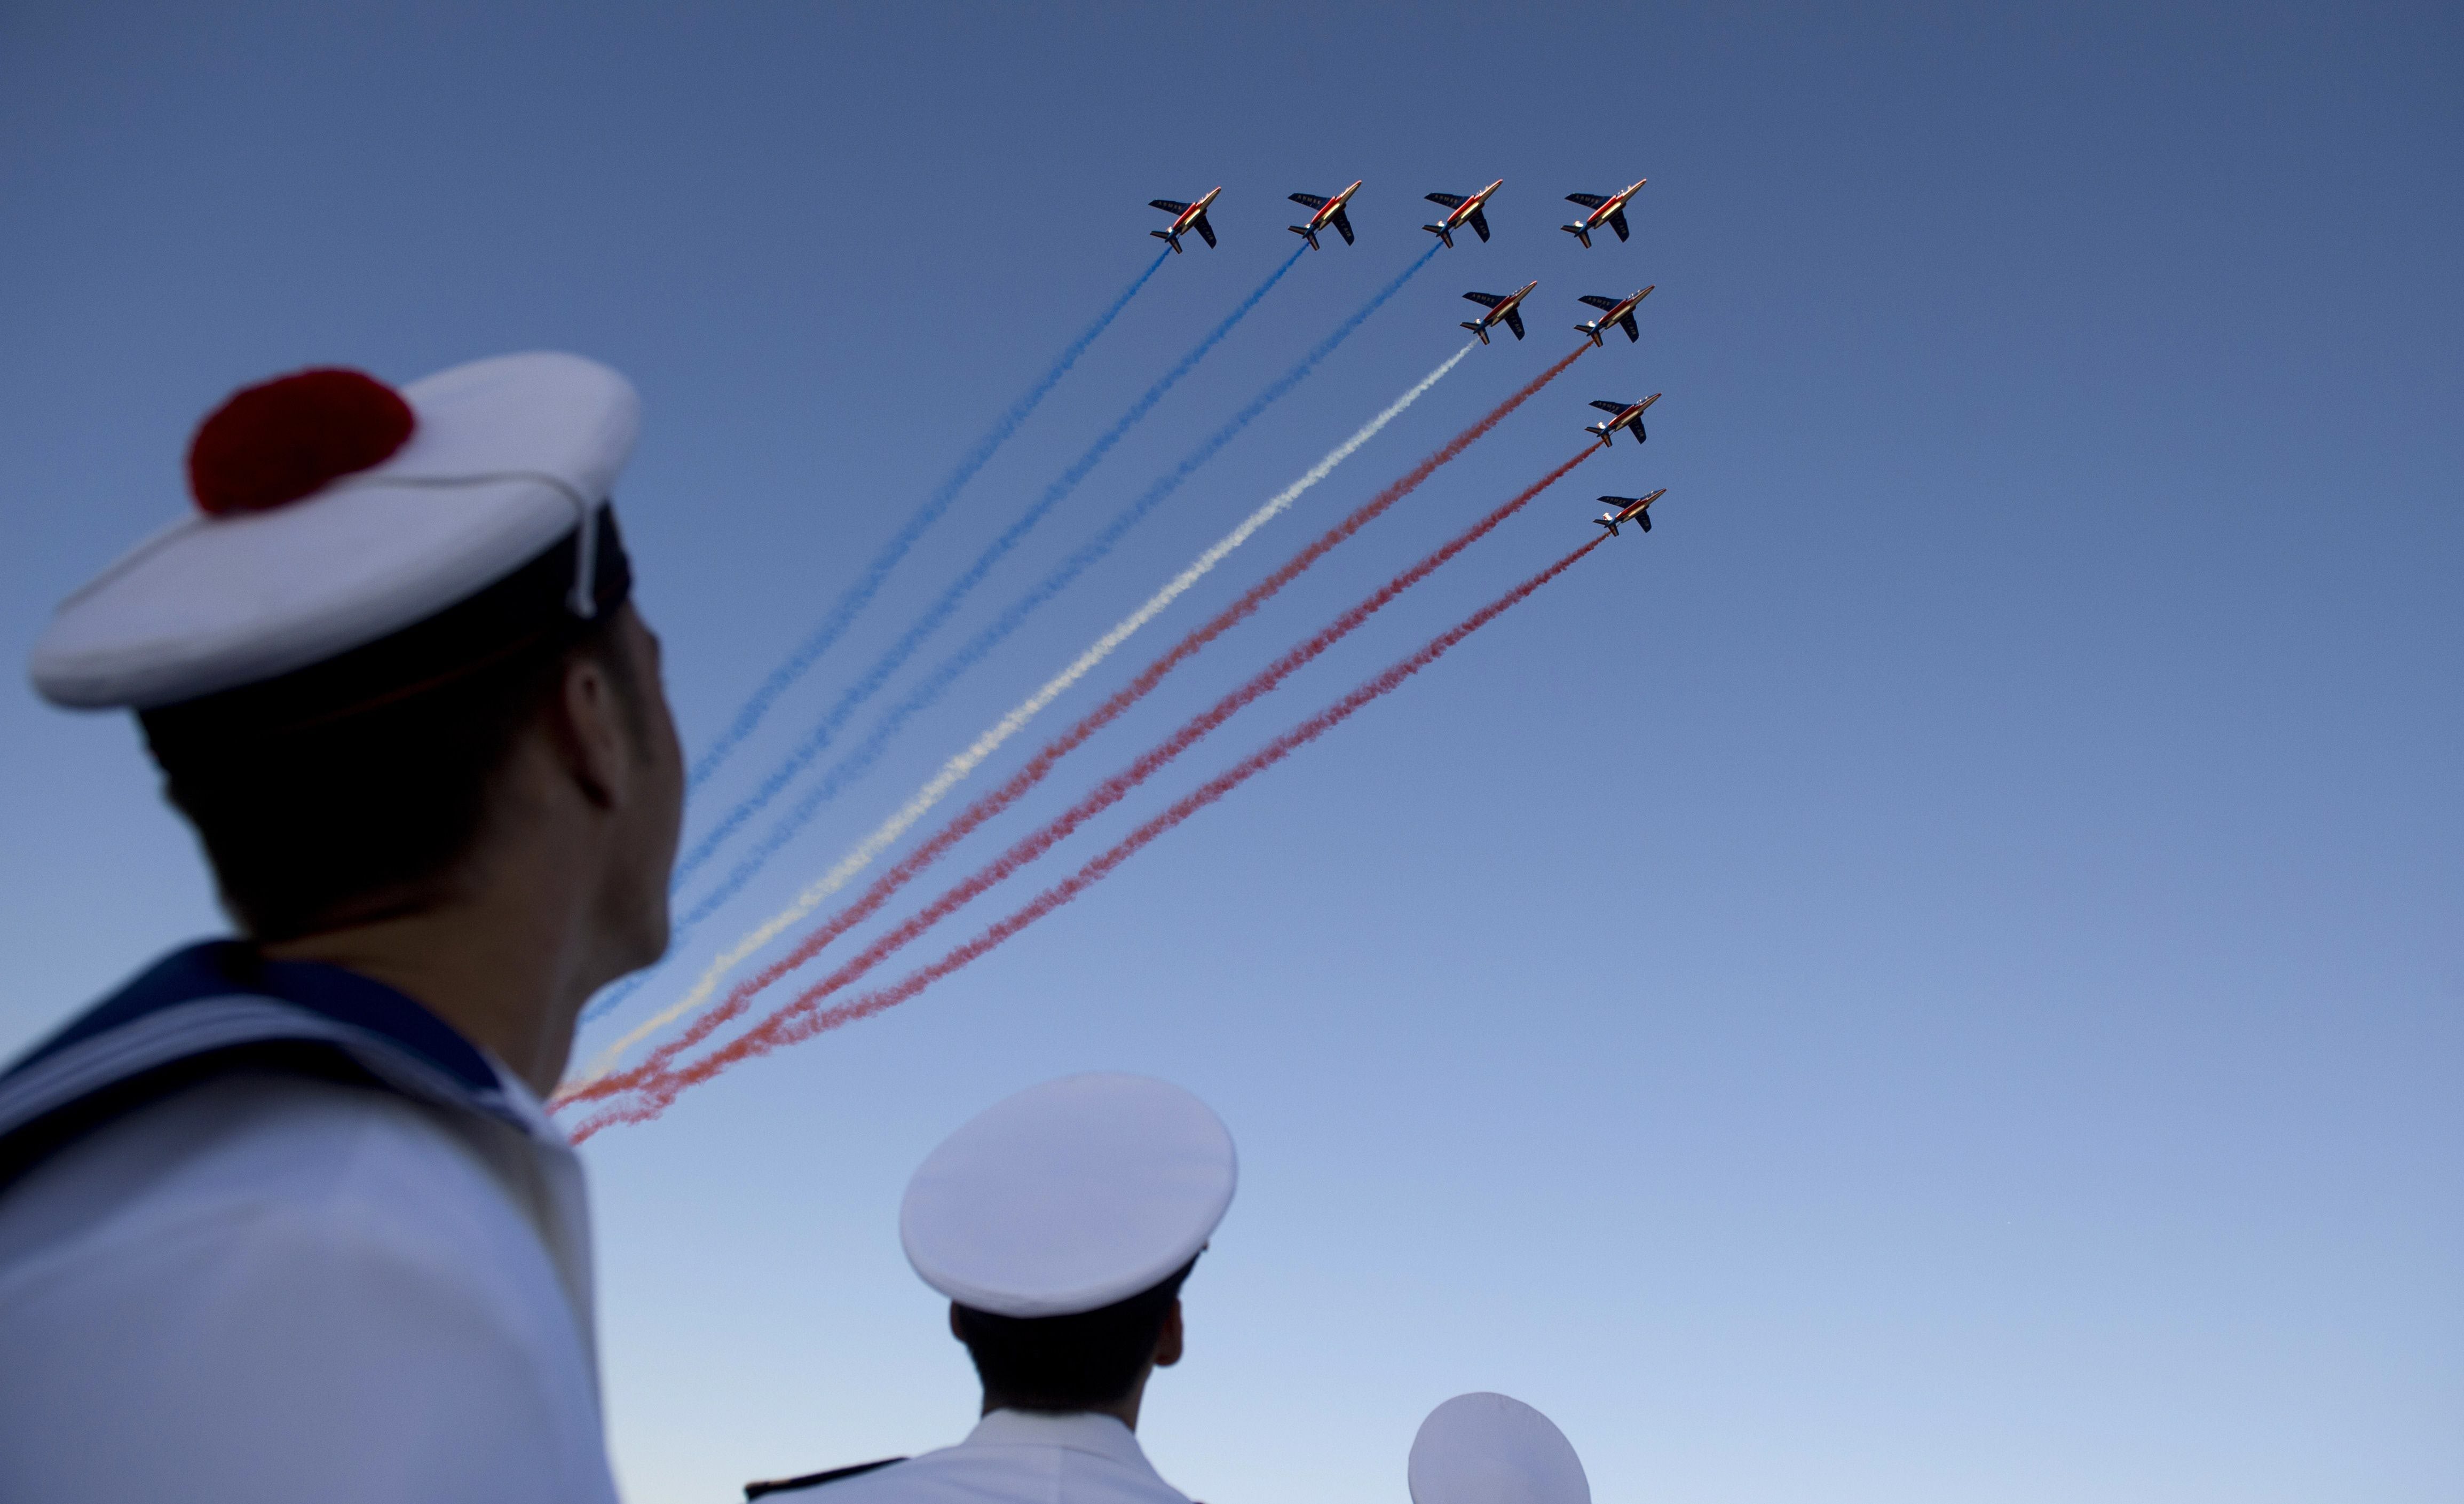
(867,585)
(818,740)
(799,1021)
(940,610)
(1042,762)
(1106,794)
(965,763)
(928,693)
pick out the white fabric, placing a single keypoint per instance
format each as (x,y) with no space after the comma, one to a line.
(1491,1449)
(1081,1459)
(1069,1196)
(269,1289)
(509,455)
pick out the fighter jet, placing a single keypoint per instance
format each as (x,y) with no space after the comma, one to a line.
(1628,415)
(1187,217)
(1507,308)
(1462,212)
(1629,509)
(1616,313)
(1330,212)
(1609,212)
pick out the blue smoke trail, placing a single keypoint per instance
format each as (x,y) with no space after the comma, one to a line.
(869,583)
(860,761)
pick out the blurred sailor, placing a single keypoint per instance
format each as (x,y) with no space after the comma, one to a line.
(282,1219)
(1061,1224)
(1487,1448)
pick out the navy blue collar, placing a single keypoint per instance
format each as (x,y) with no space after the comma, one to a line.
(224,968)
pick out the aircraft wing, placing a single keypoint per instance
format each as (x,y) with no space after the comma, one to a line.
(1479,223)
(1586,200)
(1612,407)
(1598,301)
(1449,200)
(1485,299)
(1168,205)
(1342,224)
(1616,222)
(1205,230)
(1309,199)
(1514,321)
(1632,334)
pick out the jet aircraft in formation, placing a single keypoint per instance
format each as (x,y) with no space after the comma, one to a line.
(1507,307)
(1499,308)
(1462,212)
(1329,211)
(1625,415)
(1187,217)
(1609,212)
(1629,509)
(1614,312)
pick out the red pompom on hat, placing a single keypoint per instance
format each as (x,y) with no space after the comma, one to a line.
(278,441)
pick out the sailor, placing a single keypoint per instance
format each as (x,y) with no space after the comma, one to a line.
(282,1218)
(1061,1223)
(1491,1449)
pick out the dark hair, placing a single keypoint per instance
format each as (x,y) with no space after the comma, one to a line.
(365,779)
(1068,1363)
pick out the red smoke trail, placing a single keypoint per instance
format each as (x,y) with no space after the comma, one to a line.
(799,1020)
(739,997)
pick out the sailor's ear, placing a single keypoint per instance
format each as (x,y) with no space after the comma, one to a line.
(587,726)
(1168,1342)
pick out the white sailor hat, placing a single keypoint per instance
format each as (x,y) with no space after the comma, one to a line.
(334,513)
(1069,1196)
(1487,1448)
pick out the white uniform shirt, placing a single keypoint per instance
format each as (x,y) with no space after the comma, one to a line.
(270,1287)
(1014,1455)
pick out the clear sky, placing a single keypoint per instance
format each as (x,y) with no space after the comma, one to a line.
(1936,975)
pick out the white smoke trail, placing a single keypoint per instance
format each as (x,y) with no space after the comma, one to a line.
(957,769)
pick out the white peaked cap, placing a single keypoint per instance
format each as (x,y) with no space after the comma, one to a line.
(1487,1448)
(508,456)
(1069,1196)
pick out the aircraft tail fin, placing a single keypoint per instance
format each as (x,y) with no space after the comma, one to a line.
(1305,233)
(1581,233)
(1481,330)
(1442,233)
(1168,238)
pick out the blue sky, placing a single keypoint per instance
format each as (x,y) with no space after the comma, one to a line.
(1935,975)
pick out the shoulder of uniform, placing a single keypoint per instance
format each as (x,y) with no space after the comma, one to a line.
(814,1480)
